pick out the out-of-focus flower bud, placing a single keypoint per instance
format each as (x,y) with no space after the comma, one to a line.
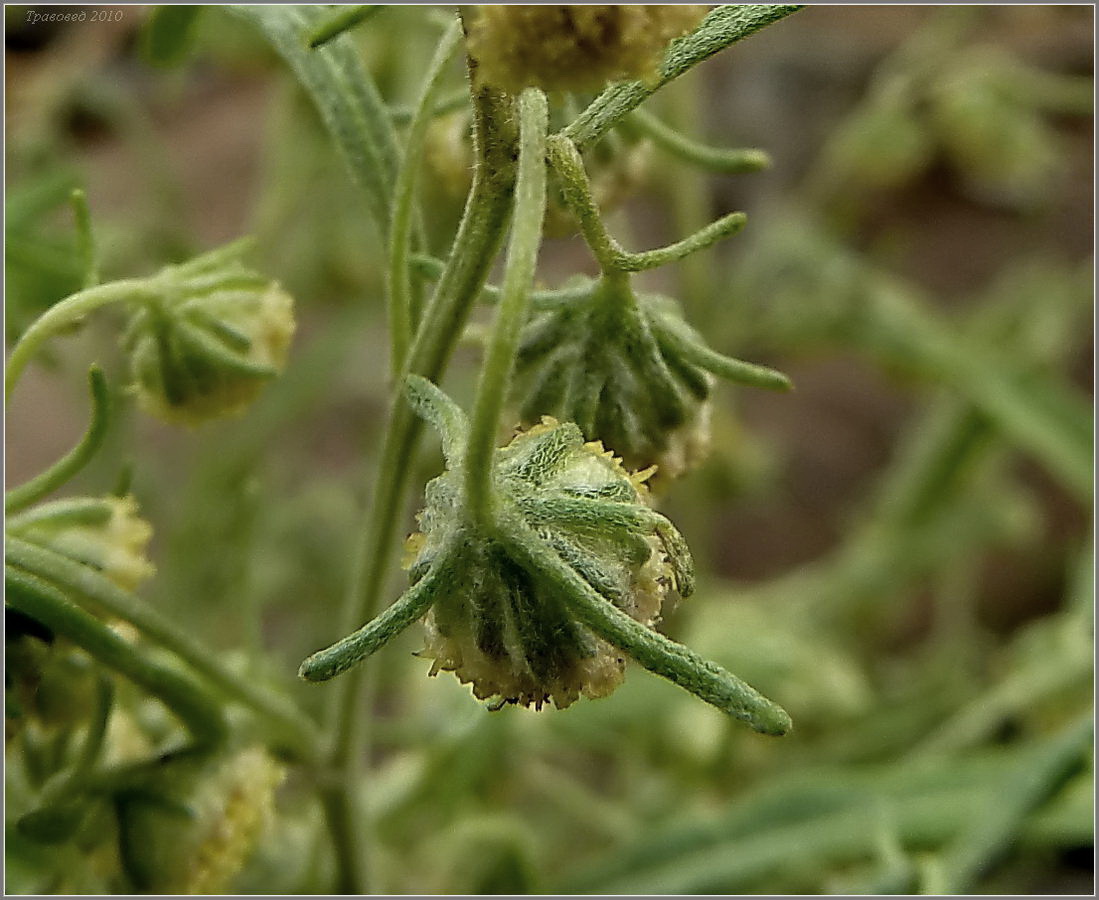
(448,151)
(206,345)
(104,533)
(573,48)
(46,682)
(188,824)
(884,145)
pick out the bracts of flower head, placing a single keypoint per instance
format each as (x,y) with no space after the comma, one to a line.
(205,346)
(548,603)
(630,372)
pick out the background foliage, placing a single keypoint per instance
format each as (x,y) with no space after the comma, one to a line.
(899,552)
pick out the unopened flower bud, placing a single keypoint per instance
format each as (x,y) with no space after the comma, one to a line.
(493,621)
(104,533)
(188,824)
(208,344)
(619,370)
(1001,143)
(47,683)
(540,592)
(573,48)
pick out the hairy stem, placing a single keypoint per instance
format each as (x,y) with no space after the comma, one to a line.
(357,646)
(569,166)
(612,258)
(342,20)
(61,315)
(475,246)
(526,237)
(725,25)
(714,159)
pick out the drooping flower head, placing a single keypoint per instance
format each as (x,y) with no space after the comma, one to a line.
(189,823)
(500,626)
(630,371)
(208,342)
(542,594)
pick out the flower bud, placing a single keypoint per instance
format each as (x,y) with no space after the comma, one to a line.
(537,591)
(573,48)
(494,622)
(208,343)
(104,533)
(189,823)
(448,153)
(616,365)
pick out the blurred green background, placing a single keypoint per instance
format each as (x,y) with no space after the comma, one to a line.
(899,552)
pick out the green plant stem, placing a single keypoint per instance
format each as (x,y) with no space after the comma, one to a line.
(403,115)
(702,239)
(84,584)
(540,300)
(721,27)
(522,256)
(92,748)
(714,159)
(65,313)
(83,773)
(1021,689)
(567,162)
(578,195)
(445,416)
(182,694)
(475,246)
(1043,416)
(402,315)
(72,462)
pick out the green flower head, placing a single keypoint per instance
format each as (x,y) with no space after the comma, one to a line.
(206,345)
(543,601)
(502,628)
(104,533)
(630,372)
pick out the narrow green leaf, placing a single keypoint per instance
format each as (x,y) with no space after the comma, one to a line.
(725,25)
(344,94)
